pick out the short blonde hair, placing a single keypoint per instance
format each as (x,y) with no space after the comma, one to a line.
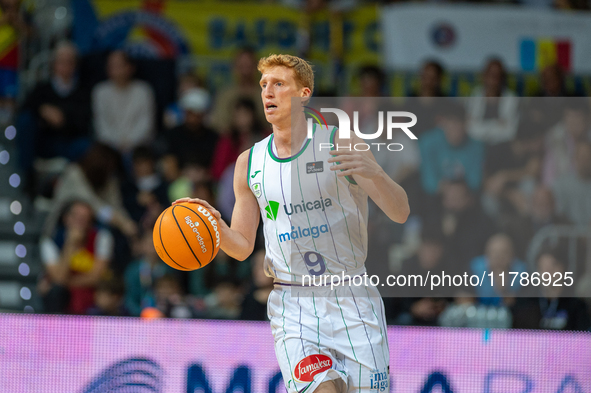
(302,69)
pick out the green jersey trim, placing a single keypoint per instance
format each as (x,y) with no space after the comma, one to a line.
(249,164)
(332,135)
(287,159)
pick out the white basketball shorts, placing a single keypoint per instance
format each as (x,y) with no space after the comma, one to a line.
(322,335)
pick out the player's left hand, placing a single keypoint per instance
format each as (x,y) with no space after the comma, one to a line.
(355,163)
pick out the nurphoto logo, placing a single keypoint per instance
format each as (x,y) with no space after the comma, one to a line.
(393,122)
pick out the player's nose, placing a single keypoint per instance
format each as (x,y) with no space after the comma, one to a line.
(268,92)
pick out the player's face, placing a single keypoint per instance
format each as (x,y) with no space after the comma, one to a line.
(278,86)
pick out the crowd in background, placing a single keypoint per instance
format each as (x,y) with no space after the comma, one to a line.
(481,181)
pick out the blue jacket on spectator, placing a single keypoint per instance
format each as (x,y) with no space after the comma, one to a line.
(442,161)
(488,294)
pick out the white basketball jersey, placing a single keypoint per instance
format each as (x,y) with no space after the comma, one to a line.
(315,222)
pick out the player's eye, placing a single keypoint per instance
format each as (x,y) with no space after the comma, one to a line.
(279,84)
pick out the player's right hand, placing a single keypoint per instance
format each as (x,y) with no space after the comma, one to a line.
(203,202)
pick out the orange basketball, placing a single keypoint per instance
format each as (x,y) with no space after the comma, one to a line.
(186,236)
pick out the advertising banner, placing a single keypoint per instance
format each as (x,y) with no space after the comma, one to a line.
(525,39)
(84,354)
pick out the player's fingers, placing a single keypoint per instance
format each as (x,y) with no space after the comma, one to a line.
(347,172)
(345,165)
(181,200)
(342,158)
(341,152)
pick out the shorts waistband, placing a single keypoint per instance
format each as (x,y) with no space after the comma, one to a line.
(348,278)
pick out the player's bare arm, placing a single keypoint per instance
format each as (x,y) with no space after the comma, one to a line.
(238,240)
(370,176)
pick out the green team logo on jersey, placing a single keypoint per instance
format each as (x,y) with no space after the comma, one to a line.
(272,209)
(256,189)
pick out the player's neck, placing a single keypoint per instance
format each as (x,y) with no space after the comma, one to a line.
(289,138)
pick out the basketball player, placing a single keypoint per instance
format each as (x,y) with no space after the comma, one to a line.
(325,342)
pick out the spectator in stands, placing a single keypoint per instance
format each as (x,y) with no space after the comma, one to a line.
(423,102)
(371,81)
(498,259)
(418,309)
(552,308)
(170,298)
(141,275)
(174,115)
(144,192)
(573,190)
(192,141)
(195,181)
(574,128)
(225,300)
(55,117)
(448,153)
(16,25)
(254,305)
(123,107)
(76,256)
(246,85)
(95,180)
(108,299)
(465,226)
(245,131)
(552,82)
(540,212)
(511,169)
(493,108)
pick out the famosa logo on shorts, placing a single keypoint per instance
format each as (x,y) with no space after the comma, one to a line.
(311,365)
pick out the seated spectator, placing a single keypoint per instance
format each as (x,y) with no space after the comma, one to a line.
(174,115)
(552,82)
(108,299)
(123,107)
(94,180)
(448,153)
(510,169)
(574,128)
(552,308)
(55,120)
(493,108)
(194,180)
(498,259)
(144,192)
(254,304)
(141,274)
(203,281)
(464,224)
(192,141)
(423,102)
(540,212)
(245,131)
(170,299)
(246,86)
(371,81)
(76,256)
(573,190)
(16,26)
(418,309)
(225,300)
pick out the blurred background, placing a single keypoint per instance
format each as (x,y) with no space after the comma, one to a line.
(111,109)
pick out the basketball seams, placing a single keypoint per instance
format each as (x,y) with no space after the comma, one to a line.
(184,237)
(162,242)
(204,223)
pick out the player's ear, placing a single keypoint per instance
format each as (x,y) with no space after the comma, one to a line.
(305,94)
